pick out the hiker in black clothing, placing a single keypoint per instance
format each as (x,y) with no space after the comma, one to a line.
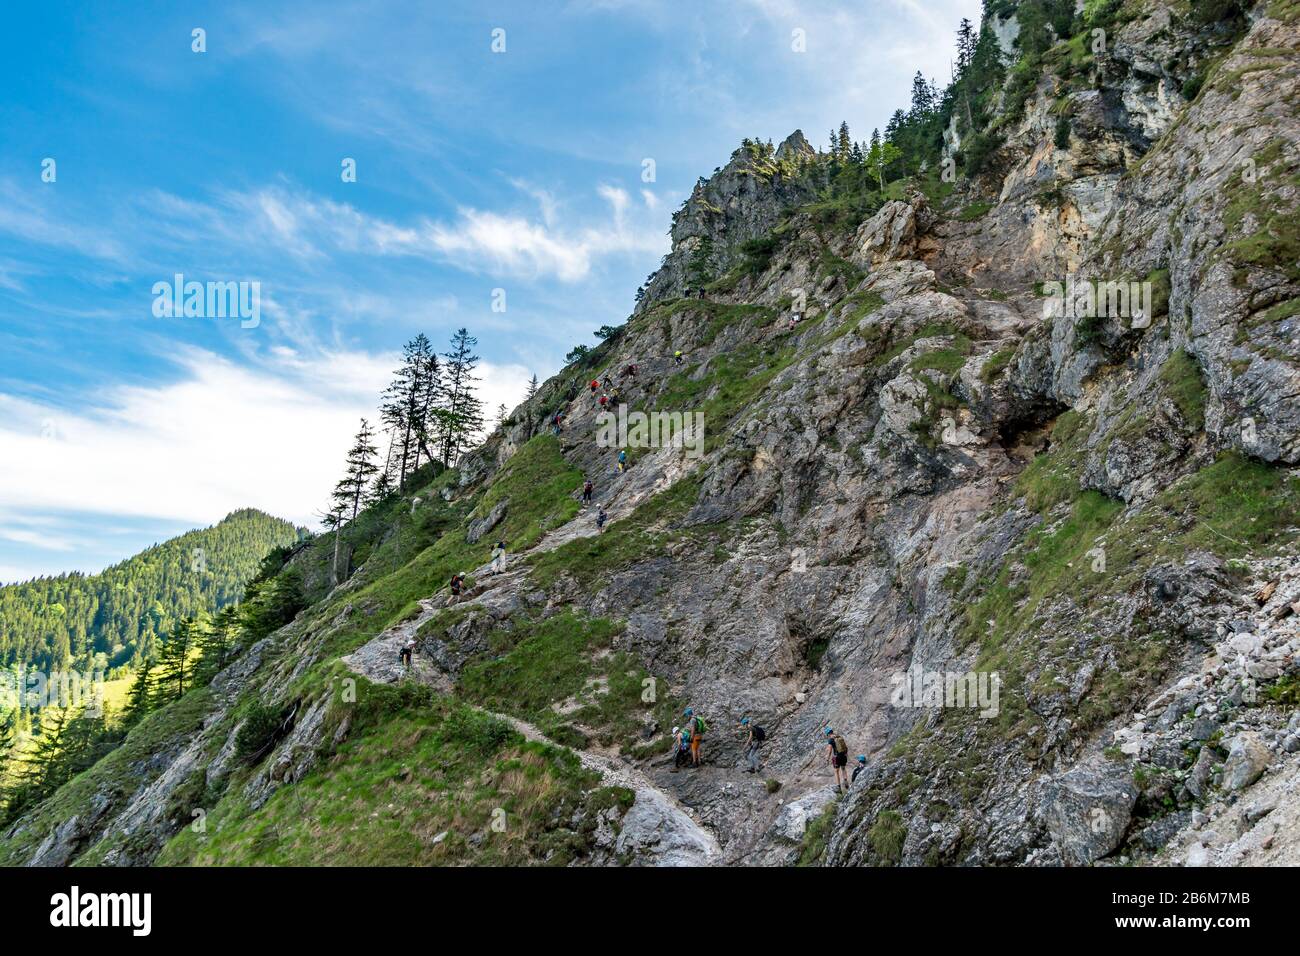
(608,382)
(837,750)
(405,655)
(630,371)
(753,741)
(601,518)
(457,584)
(862,765)
(587,489)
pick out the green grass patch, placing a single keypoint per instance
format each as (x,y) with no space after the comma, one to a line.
(554,660)
(973,211)
(812,847)
(886,836)
(995,363)
(430,766)
(856,308)
(732,382)
(1181,378)
(640,536)
(1233,507)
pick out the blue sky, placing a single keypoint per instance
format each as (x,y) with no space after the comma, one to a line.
(476,170)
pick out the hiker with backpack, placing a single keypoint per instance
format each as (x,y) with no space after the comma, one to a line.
(862,765)
(601,518)
(587,490)
(622,461)
(753,741)
(837,750)
(595,385)
(697,727)
(681,747)
(557,422)
(405,655)
(457,584)
(630,371)
(677,357)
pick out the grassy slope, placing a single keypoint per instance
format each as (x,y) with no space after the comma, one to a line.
(118,775)
(415,765)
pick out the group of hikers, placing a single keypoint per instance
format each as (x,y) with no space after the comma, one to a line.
(606,394)
(688,738)
(588,491)
(605,389)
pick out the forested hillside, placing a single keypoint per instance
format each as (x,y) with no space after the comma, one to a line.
(115,618)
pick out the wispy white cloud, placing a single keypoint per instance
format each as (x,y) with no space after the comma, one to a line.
(220,436)
(309,229)
(34,214)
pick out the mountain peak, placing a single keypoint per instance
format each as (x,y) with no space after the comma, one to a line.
(795,146)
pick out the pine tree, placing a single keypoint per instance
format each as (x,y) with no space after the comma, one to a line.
(85,739)
(843,143)
(502,411)
(382,488)
(351,488)
(532,388)
(894,127)
(428,423)
(922,98)
(140,696)
(216,645)
(699,267)
(965,45)
(8,740)
(48,740)
(405,400)
(175,668)
(332,521)
(464,411)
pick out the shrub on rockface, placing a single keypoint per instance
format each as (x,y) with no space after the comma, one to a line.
(263,725)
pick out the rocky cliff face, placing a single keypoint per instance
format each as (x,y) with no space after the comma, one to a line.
(1038,562)
(740,202)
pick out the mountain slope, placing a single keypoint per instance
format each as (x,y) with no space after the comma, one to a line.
(119,613)
(937,473)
